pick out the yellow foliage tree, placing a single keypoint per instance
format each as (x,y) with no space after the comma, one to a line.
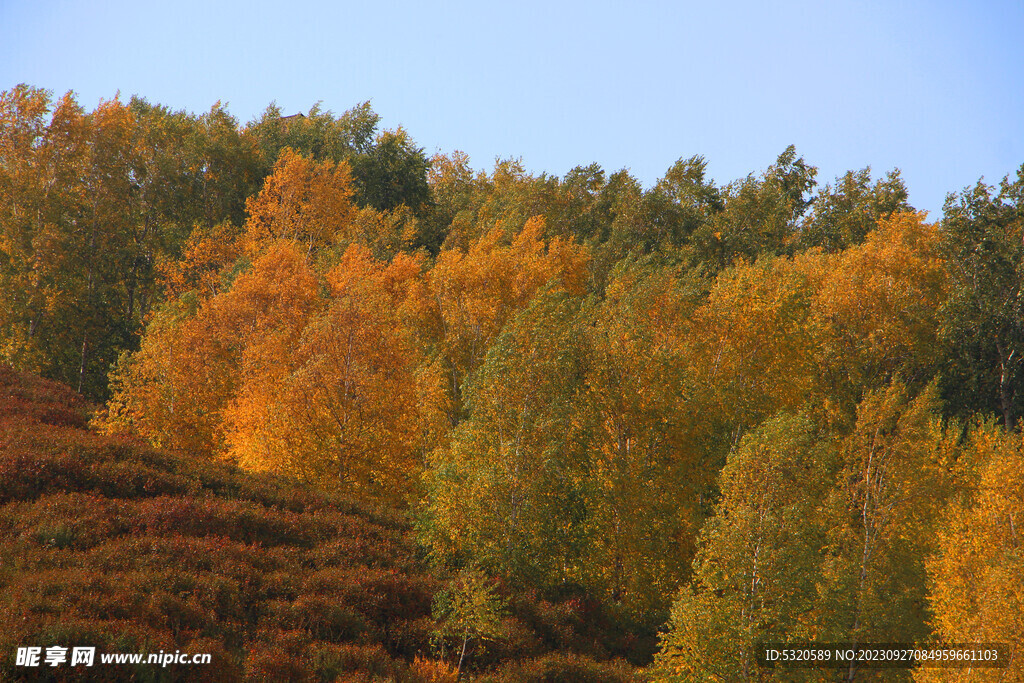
(302,200)
(977,577)
(898,470)
(206,255)
(751,343)
(478,291)
(877,311)
(646,467)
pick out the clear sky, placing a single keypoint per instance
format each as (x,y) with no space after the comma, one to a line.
(935,88)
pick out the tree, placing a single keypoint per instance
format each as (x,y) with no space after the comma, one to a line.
(983,318)
(647,471)
(977,576)
(756,572)
(844,214)
(896,476)
(455,190)
(751,344)
(761,214)
(875,316)
(478,291)
(206,258)
(506,494)
(196,356)
(681,203)
(468,609)
(392,173)
(318,135)
(302,200)
(27,202)
(331,397)
(94,204)
(229,167)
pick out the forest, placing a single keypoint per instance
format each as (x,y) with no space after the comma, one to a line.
(426,422)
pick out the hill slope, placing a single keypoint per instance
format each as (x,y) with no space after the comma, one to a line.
(107,543)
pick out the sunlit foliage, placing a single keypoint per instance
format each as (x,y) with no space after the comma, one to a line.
(739,408)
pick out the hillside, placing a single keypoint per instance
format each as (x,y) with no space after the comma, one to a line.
(108,543)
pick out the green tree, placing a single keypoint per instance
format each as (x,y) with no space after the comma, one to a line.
(506,494)
(761,214)
(882,517)
(228,169)
(845,213)
(757,569)
(983,318)
(391,173)
(681,203)
(469,611)
(319,134)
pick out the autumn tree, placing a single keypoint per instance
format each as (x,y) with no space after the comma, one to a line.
(751,346)
(977,576)
(455,189)
(875,316)
(275,377)
(646,467)
(758,565)
(95,203)
(208,257)
(479,290)
(502,200)
(506,494)
(332,397)
(580,456)
(76,261)
(469,613)
(388,169)
(302,200)
(196,356)
(30,206)
(897,471)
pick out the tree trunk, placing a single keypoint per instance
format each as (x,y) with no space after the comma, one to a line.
(1005,391)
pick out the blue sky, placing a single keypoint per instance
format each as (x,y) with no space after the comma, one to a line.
(934,88)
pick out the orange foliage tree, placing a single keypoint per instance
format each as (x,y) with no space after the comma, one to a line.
(194,358)
(336,402)
(302,200)
(977,576)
